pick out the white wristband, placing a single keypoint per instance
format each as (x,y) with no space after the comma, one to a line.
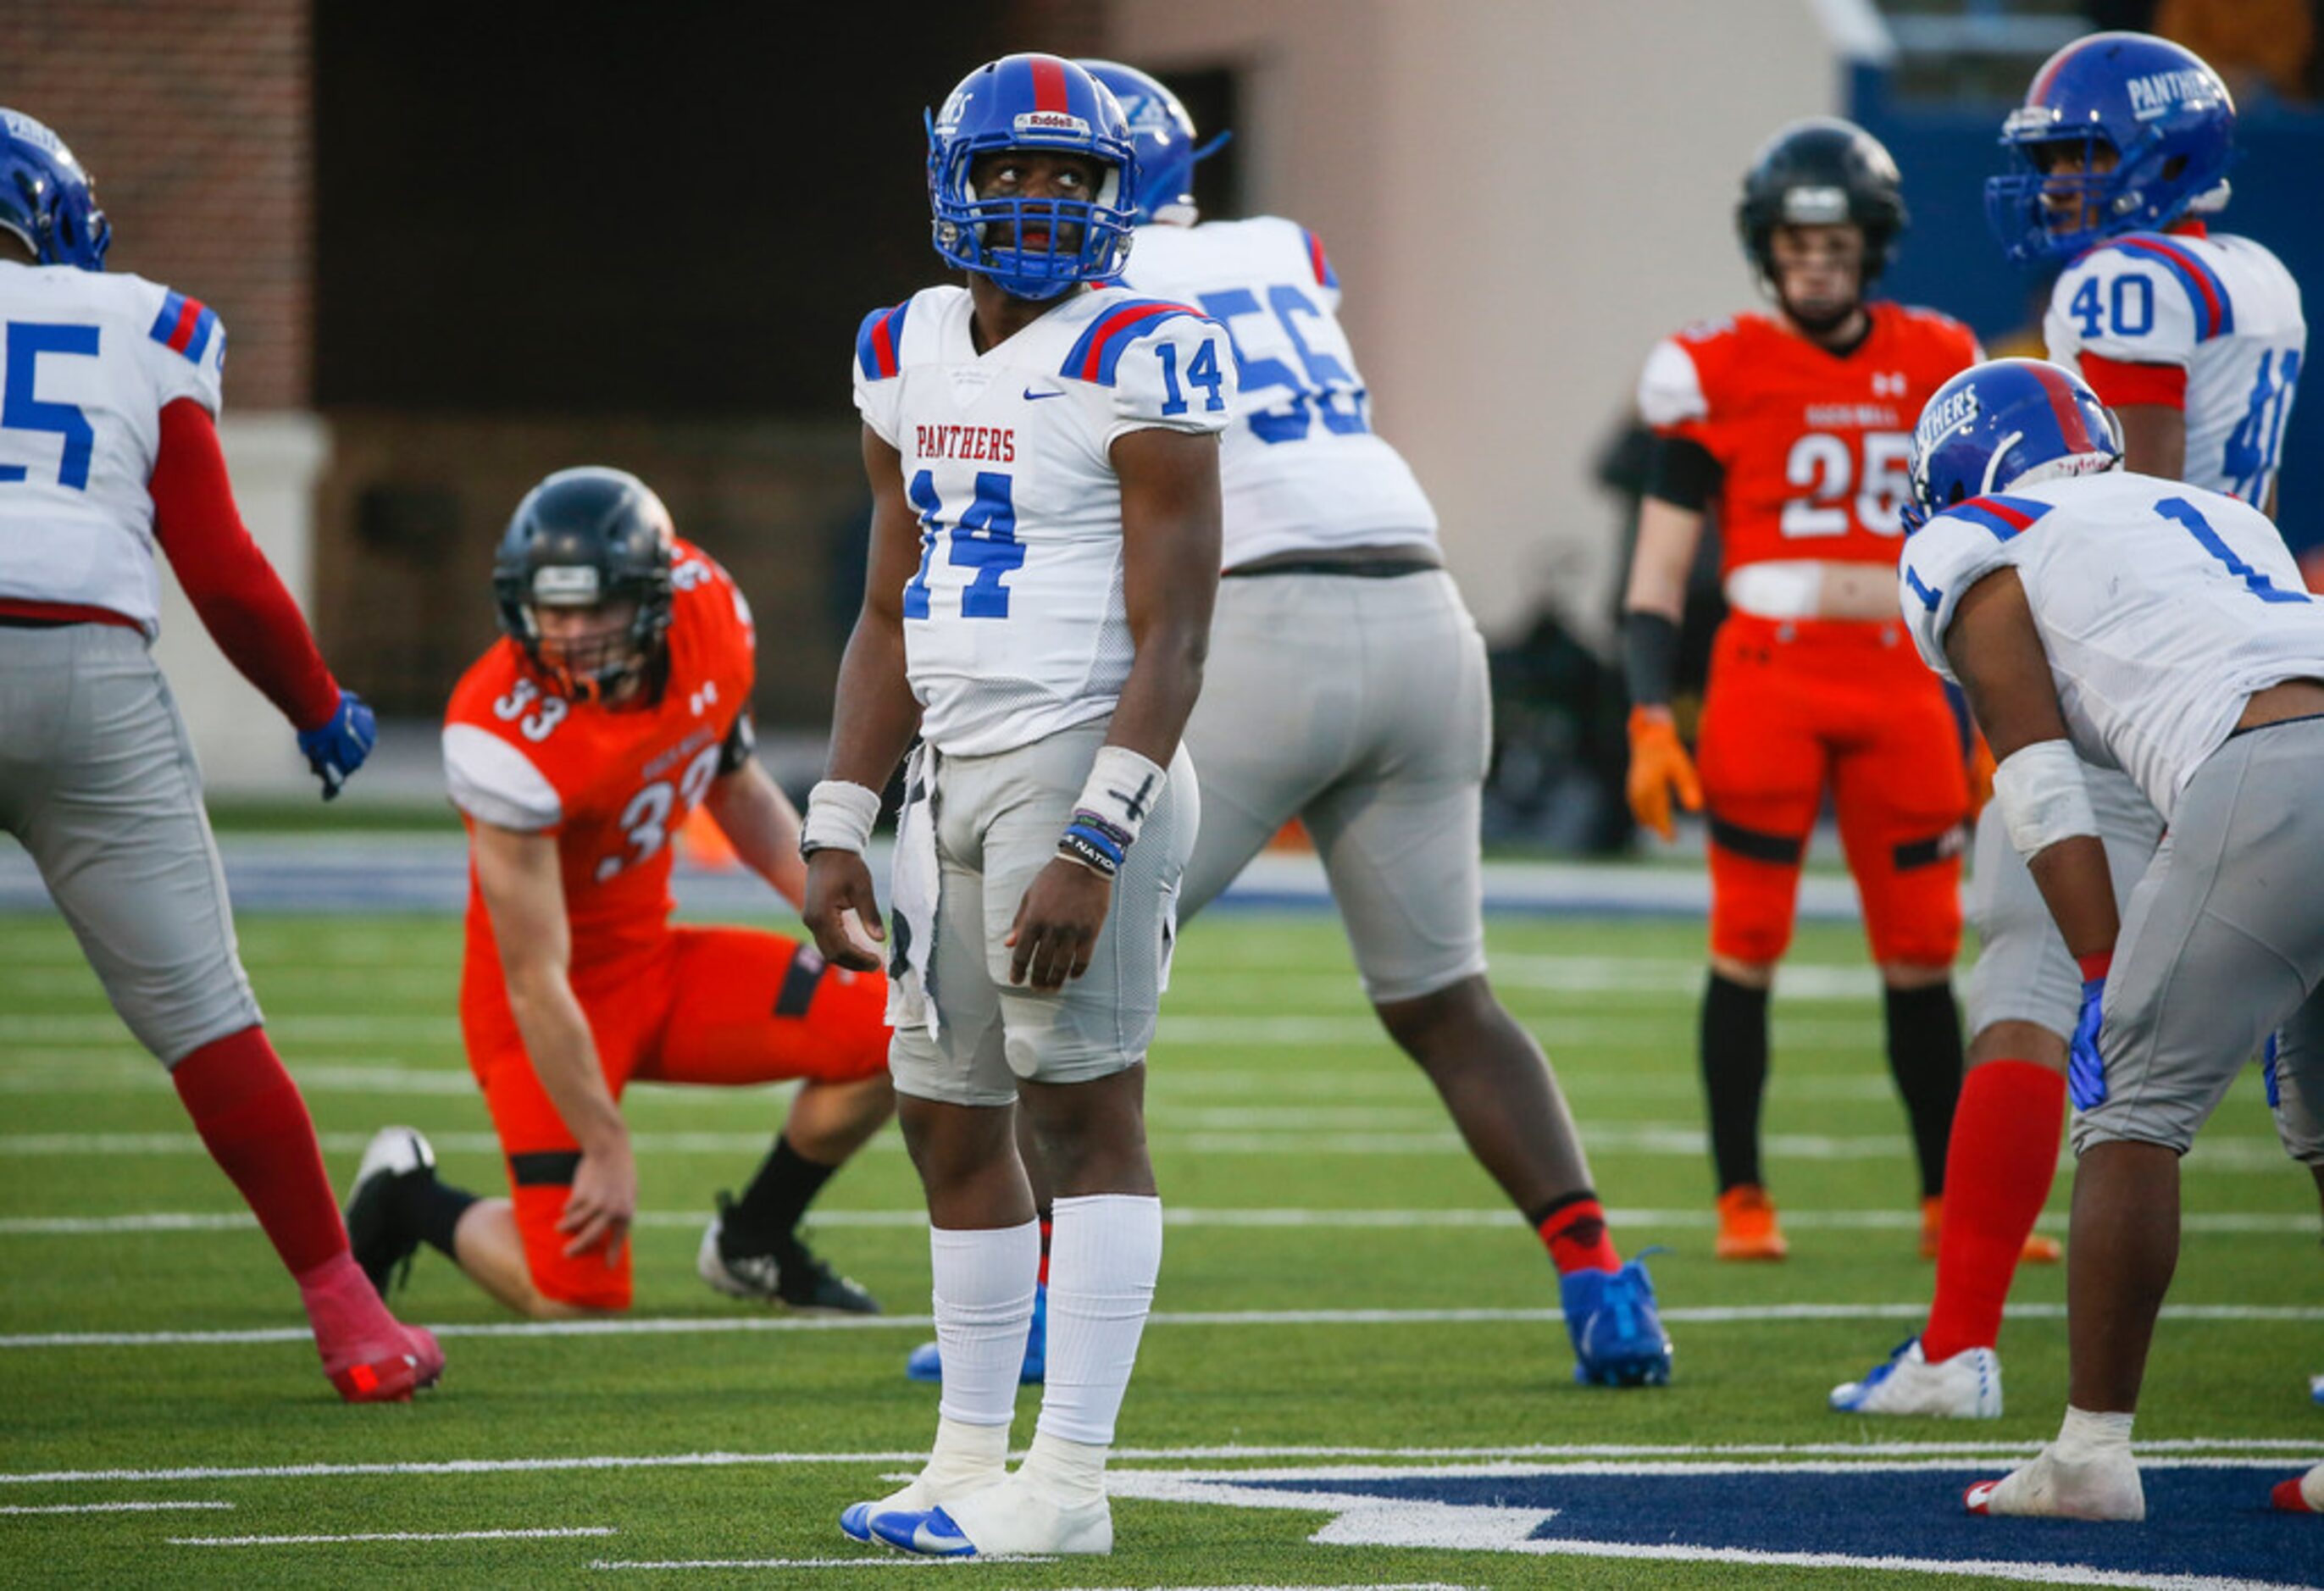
(839,817)
(2042,797)
(1121,790)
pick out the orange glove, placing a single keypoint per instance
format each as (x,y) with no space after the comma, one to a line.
(1981,774)
(1658,762)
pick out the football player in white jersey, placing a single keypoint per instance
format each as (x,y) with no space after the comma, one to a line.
(2140,623)
(1334,584)
(2195,341)
(1043,454)
(107,446)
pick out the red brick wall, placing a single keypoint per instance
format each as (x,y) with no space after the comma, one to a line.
(193,116)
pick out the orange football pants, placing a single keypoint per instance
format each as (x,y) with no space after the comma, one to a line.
(1796,707)
(722,1007)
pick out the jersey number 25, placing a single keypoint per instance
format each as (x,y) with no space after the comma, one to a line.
(1825,467)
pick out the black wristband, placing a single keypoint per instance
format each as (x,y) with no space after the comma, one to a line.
(1649,657)
(1682,473)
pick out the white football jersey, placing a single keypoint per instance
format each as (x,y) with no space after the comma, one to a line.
(2162,606)
(1015,627)
(2225,311)
(1301,468)
(92,358)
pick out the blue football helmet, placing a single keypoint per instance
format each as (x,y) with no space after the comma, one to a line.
(45,197)
(2005,423)
(1032,102)
(1164,134)
(2166,116)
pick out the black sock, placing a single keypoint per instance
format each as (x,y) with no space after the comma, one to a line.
(430,1208)
(1734,1076)
(1925,1054)
(769,1208)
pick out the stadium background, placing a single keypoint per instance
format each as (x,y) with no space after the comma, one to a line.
(458,246)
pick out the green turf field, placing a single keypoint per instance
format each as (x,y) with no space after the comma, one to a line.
(1309,1172)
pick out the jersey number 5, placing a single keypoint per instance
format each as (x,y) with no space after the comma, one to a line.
(20,411)
(1825,465)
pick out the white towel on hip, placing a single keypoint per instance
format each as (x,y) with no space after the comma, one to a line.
(914,898)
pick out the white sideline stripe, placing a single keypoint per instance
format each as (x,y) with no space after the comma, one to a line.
(711,1325)
(1535,1453)
(2228,1153)
(1886,1220)
(103,1507)
(539,1533)
(888,1561)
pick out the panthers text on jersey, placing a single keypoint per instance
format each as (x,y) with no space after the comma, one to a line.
(1014,626)
(1812,447)
(613,785)
(2162,606)
(2209,325)
(92,359)
(1300,468)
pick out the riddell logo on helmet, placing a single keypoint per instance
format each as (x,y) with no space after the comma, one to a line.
(2161,93)
(1051,122)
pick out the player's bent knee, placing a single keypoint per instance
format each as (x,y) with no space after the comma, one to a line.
(2011,1040)
(1916,973)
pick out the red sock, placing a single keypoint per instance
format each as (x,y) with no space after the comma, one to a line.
(1576,1236)
(1042,1279)
(1998,1168)
(250,1115)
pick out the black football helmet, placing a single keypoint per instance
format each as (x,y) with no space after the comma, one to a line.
(1822,171)
(581,538)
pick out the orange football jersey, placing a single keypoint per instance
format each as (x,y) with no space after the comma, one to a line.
(1813,447)
(613,785)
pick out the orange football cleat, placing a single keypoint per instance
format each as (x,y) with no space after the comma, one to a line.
(1746,1225)
(2039,1250)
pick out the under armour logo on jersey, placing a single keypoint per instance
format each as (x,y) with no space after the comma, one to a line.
(703,700)
(1888,384)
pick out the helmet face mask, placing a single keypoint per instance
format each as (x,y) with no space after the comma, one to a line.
(2147,130)
(1034,103)
(582,582)
(46,199)
(1821,172)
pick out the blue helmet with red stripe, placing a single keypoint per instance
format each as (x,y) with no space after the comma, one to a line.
(1164,134)
(45,197)
(2004,423)
(2154,108)
(1041,102)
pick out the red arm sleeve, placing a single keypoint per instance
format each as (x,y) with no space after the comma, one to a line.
(233,587)
(2118,382)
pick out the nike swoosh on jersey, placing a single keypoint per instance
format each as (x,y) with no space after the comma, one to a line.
(1032,397)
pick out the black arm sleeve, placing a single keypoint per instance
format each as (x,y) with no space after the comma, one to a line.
(1649,657)
(741,742)
(1682,472)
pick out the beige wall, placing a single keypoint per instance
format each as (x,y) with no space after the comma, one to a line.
(1520,196)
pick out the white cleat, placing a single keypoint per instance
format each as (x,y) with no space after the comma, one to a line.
(1012,1519)
(2102,1488)
(1965,1386)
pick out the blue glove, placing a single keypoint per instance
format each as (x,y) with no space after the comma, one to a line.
(2086,1069)
(337,747)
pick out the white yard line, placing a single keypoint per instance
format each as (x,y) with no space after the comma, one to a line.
(716,1325)
(539,1533)
(892,1560)
(107,1507)
(2183,1450)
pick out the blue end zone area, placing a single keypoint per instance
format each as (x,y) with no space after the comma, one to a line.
(2211,1522)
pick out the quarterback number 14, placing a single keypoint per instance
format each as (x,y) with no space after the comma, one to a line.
(983,538)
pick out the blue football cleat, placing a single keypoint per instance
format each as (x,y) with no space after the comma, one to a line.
(1618,1338)
(856,1520)
(931,1534)
(927,1363)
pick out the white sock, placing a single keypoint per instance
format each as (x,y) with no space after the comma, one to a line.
(1105,1250)
(984,1281)
(2085,1437)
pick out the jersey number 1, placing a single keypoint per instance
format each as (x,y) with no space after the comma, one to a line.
(20,411)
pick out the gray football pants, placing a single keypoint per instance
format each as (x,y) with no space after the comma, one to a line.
(98,782)
(2222,943)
